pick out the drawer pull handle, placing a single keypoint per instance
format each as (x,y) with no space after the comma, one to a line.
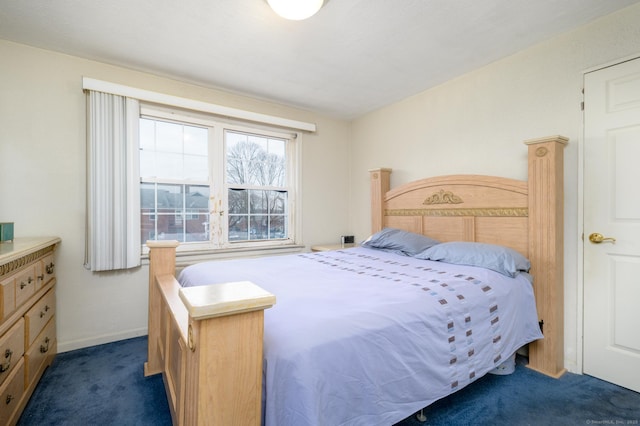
(44,312)
(9,399)
(30,280)
(49,268)
(7,364)
(44,349)
(22,285)
(41,277)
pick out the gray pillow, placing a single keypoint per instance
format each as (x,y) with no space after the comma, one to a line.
(399,241)
(497,258)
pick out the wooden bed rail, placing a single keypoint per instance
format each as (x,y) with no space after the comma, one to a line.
(162,255)
(207,343)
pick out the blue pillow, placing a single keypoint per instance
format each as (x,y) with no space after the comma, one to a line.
(399,241)
(490,256)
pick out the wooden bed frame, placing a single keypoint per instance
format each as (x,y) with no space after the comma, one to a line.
(207,341)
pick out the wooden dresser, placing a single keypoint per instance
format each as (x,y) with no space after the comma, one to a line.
(27,320)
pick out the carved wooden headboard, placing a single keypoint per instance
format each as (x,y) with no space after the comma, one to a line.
(524,215)
(462,208)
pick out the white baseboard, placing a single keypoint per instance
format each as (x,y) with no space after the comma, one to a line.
(100,340)
(572,367)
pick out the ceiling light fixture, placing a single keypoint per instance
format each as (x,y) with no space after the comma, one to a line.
(295,10)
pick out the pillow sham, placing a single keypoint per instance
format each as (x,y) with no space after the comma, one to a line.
(490,256)
(399,241)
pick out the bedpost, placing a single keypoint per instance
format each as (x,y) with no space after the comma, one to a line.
(379,187)
(162,255)
(546,250)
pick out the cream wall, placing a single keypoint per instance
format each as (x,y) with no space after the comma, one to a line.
(42,180)
(477,122)
(468,125)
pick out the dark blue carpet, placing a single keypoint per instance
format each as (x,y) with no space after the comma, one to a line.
(105,385)
(99,385)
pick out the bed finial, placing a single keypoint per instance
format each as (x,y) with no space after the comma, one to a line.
(380,185)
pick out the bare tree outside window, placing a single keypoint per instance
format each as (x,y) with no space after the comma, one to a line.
(256,179)
(182,160)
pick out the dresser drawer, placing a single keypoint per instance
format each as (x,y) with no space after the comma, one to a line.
(43,346)
(11,393)
(11,349)
(27,320)
(8,294)
(45,271)
(25,285)
(39,315)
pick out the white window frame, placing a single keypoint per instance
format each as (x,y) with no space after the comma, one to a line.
(218,189)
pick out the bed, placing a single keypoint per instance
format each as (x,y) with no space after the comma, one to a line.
(339,337)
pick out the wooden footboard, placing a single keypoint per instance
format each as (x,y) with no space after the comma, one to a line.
(207,343)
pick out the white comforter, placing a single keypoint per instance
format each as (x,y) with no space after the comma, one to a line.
(366,337)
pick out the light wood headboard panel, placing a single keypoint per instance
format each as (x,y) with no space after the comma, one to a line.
(462,208)
(524,215)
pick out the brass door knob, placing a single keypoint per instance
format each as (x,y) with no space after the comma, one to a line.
(597,238)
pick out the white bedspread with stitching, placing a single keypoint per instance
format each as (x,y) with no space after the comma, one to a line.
(365,337)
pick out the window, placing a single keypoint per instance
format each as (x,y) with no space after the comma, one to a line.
(256,175)
(214,183)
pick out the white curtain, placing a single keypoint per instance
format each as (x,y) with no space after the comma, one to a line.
(113,183)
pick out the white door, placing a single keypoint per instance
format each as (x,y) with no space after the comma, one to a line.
(612,209)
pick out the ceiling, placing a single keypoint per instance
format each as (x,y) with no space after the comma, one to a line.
(352,57)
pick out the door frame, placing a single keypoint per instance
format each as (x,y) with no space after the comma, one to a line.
(581,211)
